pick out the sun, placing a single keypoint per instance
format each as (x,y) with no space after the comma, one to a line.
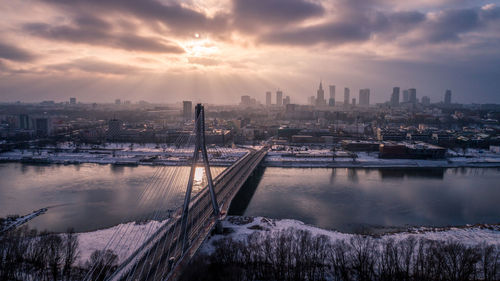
(197,35)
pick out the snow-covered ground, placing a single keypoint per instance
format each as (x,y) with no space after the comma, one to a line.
(244,226)
(324,158)
(128,154)
(126,238)
(122,239)
(151,154)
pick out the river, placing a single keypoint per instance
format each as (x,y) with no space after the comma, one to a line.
(91,196)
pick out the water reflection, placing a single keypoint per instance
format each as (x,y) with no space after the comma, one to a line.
(432,173)
(91,196)
(353,199)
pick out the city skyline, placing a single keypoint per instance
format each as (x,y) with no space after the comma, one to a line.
(220,50)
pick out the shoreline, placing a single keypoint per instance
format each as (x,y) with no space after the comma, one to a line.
(383,163)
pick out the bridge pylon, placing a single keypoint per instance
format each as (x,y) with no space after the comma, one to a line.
(200,147)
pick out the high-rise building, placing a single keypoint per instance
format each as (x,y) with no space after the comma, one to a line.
(353,101)
(43,126)
(72,100)
(268,98)
(24,122)
(395,96)
(347,93)
(364,97)
(426,100)
(279,98)
(118,101)
(331,101)
(406,96)
(320,96)
(114,128)
(412,95)
(246,100)
(286,100)
(447,97)
(187,110)
(312,100)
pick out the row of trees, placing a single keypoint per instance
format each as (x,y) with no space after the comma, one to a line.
(299,255)
(28,255)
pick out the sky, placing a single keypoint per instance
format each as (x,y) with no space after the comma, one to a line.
(215,51)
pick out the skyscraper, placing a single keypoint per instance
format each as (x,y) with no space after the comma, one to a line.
(320,96)
(72,100)
(447,97)
(187,110)
(406,96)
(114,128)
(412,95)
(268,98)
(279,98)
(246,100)
(395,96)
(426,100)
(364,97)
(331,101)
(346,96)
(286,100)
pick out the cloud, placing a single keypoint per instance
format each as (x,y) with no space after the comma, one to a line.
(14,53)
(332,33)
(94,31)
(250,15)
(94,65)
(203,61)
(178,18)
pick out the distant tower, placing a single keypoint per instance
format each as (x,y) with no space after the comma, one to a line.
(268,98)
(426,100)
(406,96)
(286,100)
(72,100)
(114,128)
(412,93)
(320,96)
(346,96)
(447,97)
(279,98)
(331,101)
(364,97)
(187,110)
(395,96)
(118,101)
(354,101)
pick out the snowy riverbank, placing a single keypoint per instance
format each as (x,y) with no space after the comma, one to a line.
(120,154)
(242,227)
(152,155)
(126,238)
(343,159)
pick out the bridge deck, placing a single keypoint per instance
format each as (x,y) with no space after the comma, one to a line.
(161,256)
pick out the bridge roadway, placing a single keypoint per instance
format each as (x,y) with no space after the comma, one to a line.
(161,256)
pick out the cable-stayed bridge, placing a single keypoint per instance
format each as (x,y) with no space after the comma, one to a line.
(167,249)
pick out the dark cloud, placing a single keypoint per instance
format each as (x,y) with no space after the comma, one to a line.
(346,30)
(177,18)
(94,31)
(14,53)
(93,65)
(443,26)
(333,33)
(251,15)
(450,24)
